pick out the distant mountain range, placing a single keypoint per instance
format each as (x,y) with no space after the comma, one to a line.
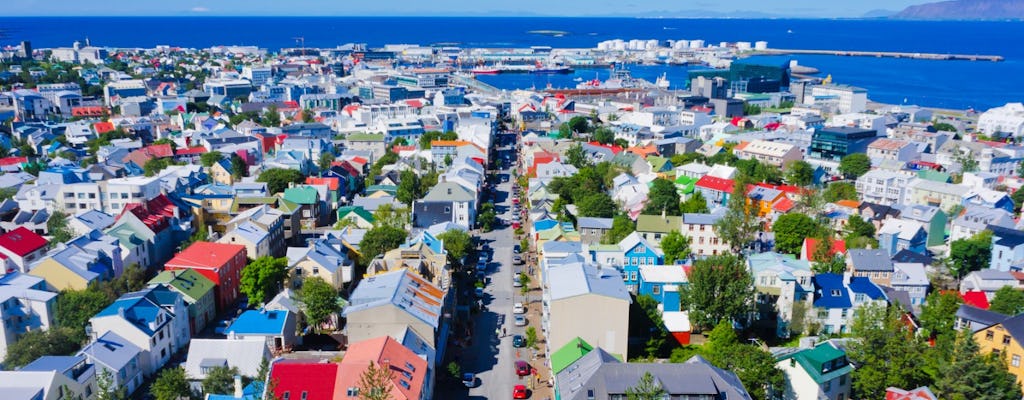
(965,10)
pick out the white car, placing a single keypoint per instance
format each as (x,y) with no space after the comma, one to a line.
(518,308)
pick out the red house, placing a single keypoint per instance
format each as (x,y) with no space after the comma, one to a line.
(220,262)
(304,380)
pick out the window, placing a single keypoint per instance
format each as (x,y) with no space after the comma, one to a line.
(590,394)
(989,335)
(304,395)
(286,396)
(447,210)
(656,289)
(842,380)
(1015,361)
(650,260)
(1006,340)
(836,293)
(827,386)
(822,314)
(844,313)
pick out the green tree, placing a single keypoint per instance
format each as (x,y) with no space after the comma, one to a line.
(57,225)
(854,165)
(75,307)
(858,227)
(57,341)
(319,301)
(971,254)
(662,198)
(455,370)
(531,337)
(648,388)
(604,135)
(719,290)
(597,205)
(622,226)
(220,380)
(799,173)
(379,240)
(208,159)
(791,230)
(106,388)
(579,124)
(375,382)
(387,159)
(836,191)
(676,247)
(971,375)
(271,117)
(942,126)
(7,193)
(277,179)
(738,226)
(408,187)
(239,168)
(387,215)
(1008,301)
(938,314)
(263,278)
(886,352)
(564,131)
(457,243)
(754,366)
(576,156)
(486,219)
(155,165)
(326,158)
(696,204)
(171,384)
(755,171)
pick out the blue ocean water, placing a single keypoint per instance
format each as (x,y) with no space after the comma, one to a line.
(951,84)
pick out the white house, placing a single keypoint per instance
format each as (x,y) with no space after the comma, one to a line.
(154,319)
(25,305)
(819,373)
(1007,120)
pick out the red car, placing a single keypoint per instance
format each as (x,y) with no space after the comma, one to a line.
(522,368)
(519,392)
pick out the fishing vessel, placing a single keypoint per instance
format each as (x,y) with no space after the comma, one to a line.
(483,70)
(540,68)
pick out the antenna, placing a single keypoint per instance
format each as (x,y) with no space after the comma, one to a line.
(301,41)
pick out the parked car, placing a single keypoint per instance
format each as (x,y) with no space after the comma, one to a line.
(518,341)
(469,380)
(479,292)
(519,320)
(517,260)
(522,368)
(515,249)
(518,308)
(519,392)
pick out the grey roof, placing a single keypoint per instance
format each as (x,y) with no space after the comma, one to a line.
(695,377)
(982,317)
(993,274)
(577,279)
(448,191)
(95,219)
(920,213)
(571,379)
(399,289)
(561,247)
(111,350)
(702,219)
(870,260)
(978,218)
(246,354)
(594,223)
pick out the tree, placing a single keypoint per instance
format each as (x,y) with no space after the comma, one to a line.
(208,159)
(564,131)
(576,156)
(938,314)
(1008,301)
(486,219)
(155,165)
(836,191)
(239,168)
(799,173)
(278,179)
(457,243)
(854,165)
(676,247)
(754,366)
(220,380)
(886,352)
(622,226)
(971,375)
(387,215)
(738,226)
(858,227)
(696,204)
(597,205)
(791,230)
(106,388)
(662,198)
(943,126)
(263,278)
(75,307)
(271,117)
(326,158)
(379,240)
(375,382)
(646,389)
(971,254)
(579,124)
(56,341)
(604,135)
(58,227)
(408,187)
(319,301)
(171,384)
(531,337)
(719,290)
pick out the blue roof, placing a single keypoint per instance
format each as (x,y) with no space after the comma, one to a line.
(1008,237)
(141,307)
(435,244)
(831,292)
(544,224)
(252,392)
(53,363)
(259,322)
(863,285)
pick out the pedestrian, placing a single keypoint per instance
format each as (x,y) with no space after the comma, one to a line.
(503,332)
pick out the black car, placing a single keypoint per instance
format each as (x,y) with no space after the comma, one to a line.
(518,341)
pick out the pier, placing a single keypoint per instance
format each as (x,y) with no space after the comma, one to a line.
(889,54)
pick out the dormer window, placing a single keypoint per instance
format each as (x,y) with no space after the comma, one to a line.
(836,293)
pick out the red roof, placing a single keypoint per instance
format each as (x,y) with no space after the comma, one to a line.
(315,379)
(190,151)
(22,241)
(783,205)
(615,149)
(811,244)
(206,255)
(788,189)
(976,298)
(399,149)
(331,182)
(713,183)
(156,213)
(921,393)
(383,351)
(13,161)
(87,111)
(103,127)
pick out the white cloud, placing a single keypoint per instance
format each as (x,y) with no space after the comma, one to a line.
(200,9)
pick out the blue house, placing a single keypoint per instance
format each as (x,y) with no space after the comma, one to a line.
(837,298)
(903,234)
(989,198)
(663,283)
(1007,248)
(636,251)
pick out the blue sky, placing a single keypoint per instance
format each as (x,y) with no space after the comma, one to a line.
(800,8)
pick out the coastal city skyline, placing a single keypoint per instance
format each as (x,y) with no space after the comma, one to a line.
(641,8)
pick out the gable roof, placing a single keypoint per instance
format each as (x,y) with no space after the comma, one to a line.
(408,370)
(658,223)
(206,255)
(568,354)
(22,241)
(111,350)
(246,354)
(578,279)
(870,260)
(400,288)
(717,184)
(188,282)
(316,379)
(820,362)
(142,307)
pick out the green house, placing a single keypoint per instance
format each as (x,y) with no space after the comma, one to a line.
(197,291)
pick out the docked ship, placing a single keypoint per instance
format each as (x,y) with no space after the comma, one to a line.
(550,69)
(620,79)
(484,70)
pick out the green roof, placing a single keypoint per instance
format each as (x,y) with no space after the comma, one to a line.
(657,163)
(301,194)
(685,184)
(358,210)
(934,176)
(604,247)
(815,361)
(568,354)
(188,282)
(657,223)
(365,137)
(390,189)
(280,204)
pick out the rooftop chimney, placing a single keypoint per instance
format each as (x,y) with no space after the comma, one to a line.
(238,386)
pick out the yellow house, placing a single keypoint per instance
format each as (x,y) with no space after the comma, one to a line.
(60,277)
(1004,339)
(220,172)
(322,260)
(424,256)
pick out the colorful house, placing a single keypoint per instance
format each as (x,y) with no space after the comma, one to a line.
(1004,339)
(219,262)
(716,191)
(198,292)
(663,283)
(356,216)
(819,373)
(154,319)
(412,378)
(637,251)
(20,247)
(276,328)
(304,379)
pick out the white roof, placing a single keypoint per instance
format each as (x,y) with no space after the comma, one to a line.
(663,273)
(246,354)
(676,321)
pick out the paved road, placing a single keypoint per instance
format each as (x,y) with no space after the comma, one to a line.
(490,357)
